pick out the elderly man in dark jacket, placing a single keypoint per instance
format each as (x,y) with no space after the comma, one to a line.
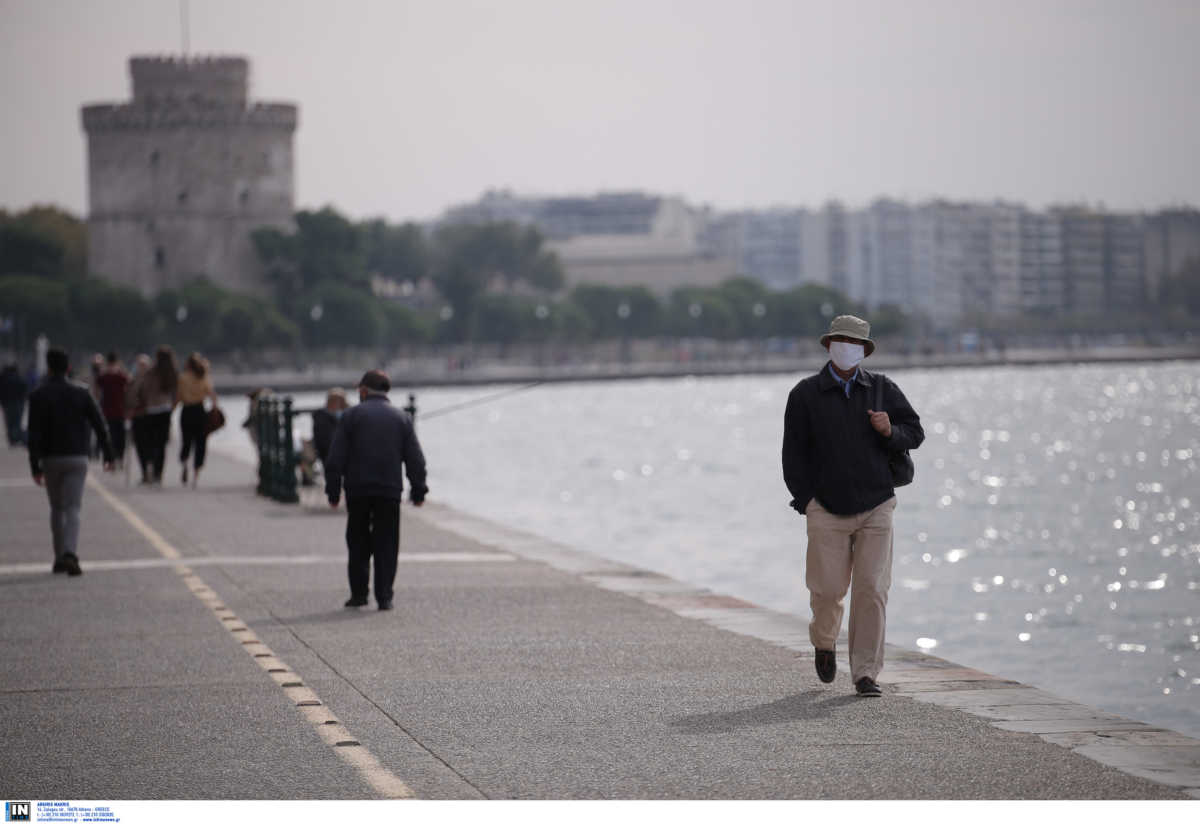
(60,412)
(837,441)
(371,442)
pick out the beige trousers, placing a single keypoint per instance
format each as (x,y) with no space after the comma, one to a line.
(850,552)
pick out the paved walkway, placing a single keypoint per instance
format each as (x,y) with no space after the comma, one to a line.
(205,654)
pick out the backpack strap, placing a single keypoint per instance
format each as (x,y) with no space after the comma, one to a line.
(878,391)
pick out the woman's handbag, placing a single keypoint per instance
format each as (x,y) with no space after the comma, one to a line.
(214,421)
(900,463)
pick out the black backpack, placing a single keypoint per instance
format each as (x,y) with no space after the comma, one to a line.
(900,463)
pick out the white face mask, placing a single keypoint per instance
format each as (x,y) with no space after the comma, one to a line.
(845,355)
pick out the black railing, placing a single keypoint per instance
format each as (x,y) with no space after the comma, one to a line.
(273,417)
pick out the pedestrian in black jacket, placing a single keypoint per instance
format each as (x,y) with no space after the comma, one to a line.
(12,397)
(370,444)
(60,412)
(836,446)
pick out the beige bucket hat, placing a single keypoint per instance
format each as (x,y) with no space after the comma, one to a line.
(850,327)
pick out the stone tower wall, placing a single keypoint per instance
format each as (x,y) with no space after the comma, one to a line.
(180,177)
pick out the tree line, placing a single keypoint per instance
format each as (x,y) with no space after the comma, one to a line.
(334,282)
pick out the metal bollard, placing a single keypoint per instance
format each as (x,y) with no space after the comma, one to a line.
(411,409)
(287,457)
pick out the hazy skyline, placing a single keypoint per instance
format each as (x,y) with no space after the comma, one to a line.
(407,108)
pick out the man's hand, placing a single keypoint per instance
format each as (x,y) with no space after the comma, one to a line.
(418,503)
(881,422)
(109,466)
(39,479)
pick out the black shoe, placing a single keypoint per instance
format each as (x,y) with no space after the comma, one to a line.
(385,605)
(59,566)
(71,564)
(867,687)
(826,665)
(356,602)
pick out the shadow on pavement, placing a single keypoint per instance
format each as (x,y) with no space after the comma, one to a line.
(804,706)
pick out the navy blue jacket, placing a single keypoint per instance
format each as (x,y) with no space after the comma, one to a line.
(60,412)
(371,442)
(830,450)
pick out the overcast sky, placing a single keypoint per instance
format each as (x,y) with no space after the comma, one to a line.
(409,107)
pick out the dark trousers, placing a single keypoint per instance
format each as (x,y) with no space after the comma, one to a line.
(372,529)
(116,434)
(141,446)
(193,421)
(158,430)
(13,410)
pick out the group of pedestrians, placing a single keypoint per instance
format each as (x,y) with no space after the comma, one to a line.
(70,421)
(144,402)
(846,436)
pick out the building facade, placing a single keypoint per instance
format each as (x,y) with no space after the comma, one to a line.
(180,176)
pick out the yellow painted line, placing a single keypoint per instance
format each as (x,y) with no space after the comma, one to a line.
(304,699)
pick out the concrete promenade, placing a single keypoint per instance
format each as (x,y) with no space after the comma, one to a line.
(205,653)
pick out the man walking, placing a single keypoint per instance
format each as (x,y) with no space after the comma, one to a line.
(836,443)
(60,412)
(12,397)
(370,443)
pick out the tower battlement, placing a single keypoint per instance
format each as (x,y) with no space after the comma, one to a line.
(201,80)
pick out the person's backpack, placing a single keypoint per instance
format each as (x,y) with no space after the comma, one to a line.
(900,463)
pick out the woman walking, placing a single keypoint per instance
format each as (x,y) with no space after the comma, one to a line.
(157,395)
(136,408)
(194,386)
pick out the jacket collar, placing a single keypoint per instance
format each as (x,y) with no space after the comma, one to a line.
(826,381)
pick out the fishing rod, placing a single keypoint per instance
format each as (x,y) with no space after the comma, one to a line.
(454,407)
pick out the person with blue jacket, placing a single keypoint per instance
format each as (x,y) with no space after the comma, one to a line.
(373,441)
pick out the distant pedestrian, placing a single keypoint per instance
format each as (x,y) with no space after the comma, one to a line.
(13,391)
(114,382)
(94,388)
(251,422)
(370,444)
(837,441)
(136,409)
(157,395)
(60,413)
(195,386)
(325,421)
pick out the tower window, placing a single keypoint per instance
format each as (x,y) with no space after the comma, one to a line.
(244,197)
(160,257)
(154,159)
(182,198)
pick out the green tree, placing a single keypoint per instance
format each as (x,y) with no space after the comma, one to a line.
(468,257)
(107,315)
(28,251)
(35,305)
(617,311)
(806,310)
(750,302)
(402,325)
(342,316)
(191,315)
(702,313)
(398,253)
